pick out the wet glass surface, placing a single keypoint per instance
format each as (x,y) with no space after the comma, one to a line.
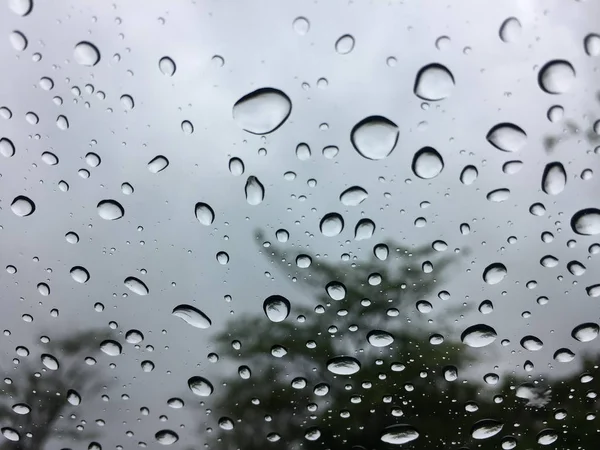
(299,225)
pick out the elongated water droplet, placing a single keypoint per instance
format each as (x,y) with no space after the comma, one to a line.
(344,44)
(303,152)
(379,338)
(468,175)
(434,82)
(547,436)
(192,316)
(486,428)
(166,437)
(236,167)
(494,273)
(10,434)
(86,54)
(331,224)
(7,148)
(576,268)
(532,343)
(591,44)
(556,77)
(204,213)
(50,362)
(549,261)
(200,386)
(364,229)
(158,164)
(110,347)
(375,137)
(110,210)
(167,66)
(343,365)
(498,195)
(276,308)
(255,191)
(586,222)
(80,274)
(73,397)
(18,41)
(136,286)
(21,408)
(564,355)
(554,178)
(22,206)
(512,167)
(478,335)
(507,137)
(262,111)
(336,290)
(427,163)
(353,196)
(49,158)
(20,7)
(381,251)
(593,290)
(399,434)
(585,332)
(510,30)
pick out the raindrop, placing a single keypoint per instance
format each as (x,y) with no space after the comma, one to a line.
(531,343)
(549,261)
(450,373)
(175,403)
(72,237)
(166,437)
(555,113)
(7,148)
(278,351)
(167,66)
(192,316)
(32,118)
(303,261)
(343,365)
(244,372)
(21,408)
(375,137)
(353,196)
(127,102)
(92,159)
(312,434)
(330,151)
(512,167)
(236,167)
(469,175)
(303,151)
(510,30)
(332,224)
(147,366)
(345,44)
(486,307)
(554,178)
(22,206)
(381,251)
(111,348)
(427,163)
(585,332)
(62,123)
(134,336)
(255,191)
(73,397)
(127,189)
(282,235)
(494,273)
(10,434)
(556,77)
(364,229)
(478,336)
(424,307)
(379,338)
(136,286)
(187,127)
(43,289)
(49,362)
(262,111)
(50,158)
(110,210)
(225,423)
(20,7)
(442,43)
(336,290)
(591,44)
(399,434)
(507,137)
(301,25)
(80,274)
(586,222)
(434,82)
(486,428)
(158,164)
(498,195)
(576,268)
(18,41)
(547,437)
(276,308)
(86,54)
(564,355)
(204,214)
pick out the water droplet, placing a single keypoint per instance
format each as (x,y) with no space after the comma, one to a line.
(32,118)
(486,428)
(556,77)
(576,268)
(494,273)
(345,44)
(175,403)
(336,290)
(399,434)
(110,210)
(192,316)
(469,175)
(22,206)
(136,286)
(381,251)
(21,408)
(586,222)
(7,148)
(282,235)
(301,25)
(92,159)
(547,437)
(225,423)
(262,111)
(276,308)
(303,261)
(498,195)
(555,113)
(375,137)
(450,373)
(166,437)
(255,191)
(478,335)
(591,44)
(380,338)
(127,189)
(486,307)
(18,41)
(236,167)
(303,151)
(158,164)
(427,163)
(554,178)
(330,151)
(187,127)
(585,332)
(424,307)
(20,7)
(331,224)
(353,196)
(531,343)
(564,355)
(111,348)
(73,397)
(10,434)
(80,274)
(507,137)
(43,289)
(167,66)
(127,102)
(200,386)
(343,365)
(510,30)
(134,336)
(86,54)
(443,43)
(549,261)
(204,214)
(434,82)
(364,229)
(278,351)
(49,362)
(49,158)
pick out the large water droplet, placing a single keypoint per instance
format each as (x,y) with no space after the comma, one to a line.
(556,77)
(585,332)
(18,41)
(353,196)
(303,151)
(331,224)
(593,290)
(110,210)
(381,251)
(262,111)
(494,273)
(255,191)
(554,178)
(486,428)
(21,408)
(158,164)
(510,30)
(512,167)
(586,222)
(166,437)
(343,365)
(192,316)
(204,214)
(276,308)
(507,137)
(374,137)
(549,261)
(136,286)
(364,229)
(80,274)
(7,148)
(20,7)
(236,167)
(434,82)
(450,373)
(468,175)
(200,386)
(427,163)
(73,397)
(399,434)
(336,290)
(498,195)
(10,434)
(576,268)
(344,44)
(380,338)
(50,362)
(478,335)
(547,436)
(591,44)
(86,54)
(301,25)
(110,347)
(167,66)
(134,336)
(564,355)
(22,206)
(532,343)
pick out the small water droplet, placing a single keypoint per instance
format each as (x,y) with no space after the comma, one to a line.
(22,206)
(43,289)
(92,159)
(136,286)
(73,397)
(547,437)
(330,151)
(498,195)
(110,347)
(554,178)
(549,261)
(486,428)
(364,229)
(486,307)
(494,273)
(434,82)
(276,308)
(344,44)
(303,152)
(301,25)
(204,214)
(531,343)
(110,210)
(80,274)
(586,222)
(399,434)
(427,163)
(262,111)
(353,196)
(18,41)
(49,362)
(468,175)
(127,102)
(381,251)
(343,365)
(507,137)
(282,235)
(591,44)
(336,290)
(134,336)
(564,355)
(158,164)
(167,66)
(375,137)
(192,316)
(510,30)
(555,113)
(443,43)
(166,437)
(50,158)
(86,54)
(478,336)
(450,373)
(236,167)
(187,127)
(331,224)
(556,77)
(255,191)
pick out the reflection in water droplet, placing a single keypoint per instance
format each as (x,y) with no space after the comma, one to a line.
(110,210)
(192,316)
(554,178)
(167,66)
(591,44)
(494,273)
(380,338)
(336,290)
(301,25)
(585,332)
(236,167)
(556,77)
(510,30)
(345,44)
(547,436)
(86,54)
(434,82)
(331,224)
(50,362)
(531,343)
(166,437)
(374,137)
(586,222)
(486,428)
(18,41)
(110,347)
(478,335)
(498,195)
(343,365)
(22,206)
(469,175)
(427,163)
(255,191)
(399,434)
(450,373)
(262,111)
(136,286)
(507,137)
(204,213)
(80,274)
(276,308)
